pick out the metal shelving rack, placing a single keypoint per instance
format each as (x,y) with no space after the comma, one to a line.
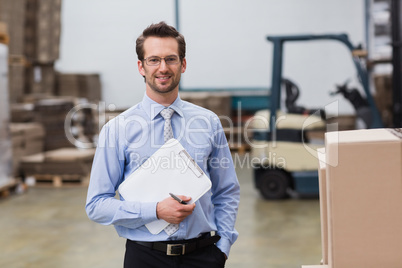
(396,19)
(384,46)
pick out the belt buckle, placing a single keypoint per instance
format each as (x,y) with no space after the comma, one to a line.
(175,249)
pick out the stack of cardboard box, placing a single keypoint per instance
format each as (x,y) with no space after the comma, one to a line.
(361,198)
(16,80)
(67,84)
(22,112)
(44,120)
(40,79)
(7,182)
(52,113)
(34,27)
(42,32)
(218,102)
(87,126)
(42,39)
(53,124)
(221,104)
(12,13)
(27,139)
(59,165)
(90,86)
(86,86)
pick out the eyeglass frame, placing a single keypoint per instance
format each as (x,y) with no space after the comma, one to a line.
(162,58)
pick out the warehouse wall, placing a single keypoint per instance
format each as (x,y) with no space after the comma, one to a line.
(226,40)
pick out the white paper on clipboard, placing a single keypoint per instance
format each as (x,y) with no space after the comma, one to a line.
(169,170)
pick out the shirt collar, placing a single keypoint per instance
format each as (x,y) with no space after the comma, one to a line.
(152,108)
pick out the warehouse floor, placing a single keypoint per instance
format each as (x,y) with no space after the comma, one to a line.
(47,227)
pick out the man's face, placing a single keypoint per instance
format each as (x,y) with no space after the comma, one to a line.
(162,78)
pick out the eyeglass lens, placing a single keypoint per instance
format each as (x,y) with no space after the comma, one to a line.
(155,60)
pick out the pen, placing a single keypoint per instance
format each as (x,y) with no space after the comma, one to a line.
(178,199)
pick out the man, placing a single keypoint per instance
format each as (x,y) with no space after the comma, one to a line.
(128,140)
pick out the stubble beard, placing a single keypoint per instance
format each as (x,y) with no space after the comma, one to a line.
(153,85)
(169,89)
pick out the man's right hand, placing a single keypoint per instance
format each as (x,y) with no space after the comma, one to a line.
(172,211)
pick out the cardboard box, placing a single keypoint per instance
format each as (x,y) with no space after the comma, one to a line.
(79,85)
(29,131)
(42,33)
(90,87)
(40,79)
(12,12)
(322,181)
(364,191)
(27,139)
(22,112)
(58,162)
(218,102)
(52,113)
(67,84)
(16,82)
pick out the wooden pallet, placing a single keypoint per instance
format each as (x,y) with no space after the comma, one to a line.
(240,148)
(236,139)
(8,188)
(60,180)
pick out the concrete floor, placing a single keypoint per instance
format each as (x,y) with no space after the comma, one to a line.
(48,227)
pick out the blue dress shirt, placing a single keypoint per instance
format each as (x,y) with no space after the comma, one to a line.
(126,141)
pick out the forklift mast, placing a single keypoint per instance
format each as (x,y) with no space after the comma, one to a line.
(278,42)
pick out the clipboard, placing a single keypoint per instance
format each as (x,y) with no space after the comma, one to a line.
(169,169)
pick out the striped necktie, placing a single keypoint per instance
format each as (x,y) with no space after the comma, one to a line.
(167,135)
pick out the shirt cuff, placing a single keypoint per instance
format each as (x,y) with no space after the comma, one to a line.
(224,245)
(148,211)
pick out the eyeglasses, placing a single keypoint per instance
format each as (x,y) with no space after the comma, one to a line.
(155,60)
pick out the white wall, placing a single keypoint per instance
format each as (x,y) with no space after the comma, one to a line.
(226,43)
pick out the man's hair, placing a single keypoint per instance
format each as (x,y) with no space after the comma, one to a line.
(160,29)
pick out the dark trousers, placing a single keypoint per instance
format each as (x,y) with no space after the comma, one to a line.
(138,256)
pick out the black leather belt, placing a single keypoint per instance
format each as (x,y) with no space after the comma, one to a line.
(181,247)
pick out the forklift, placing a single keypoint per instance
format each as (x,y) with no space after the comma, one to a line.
(287,158)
